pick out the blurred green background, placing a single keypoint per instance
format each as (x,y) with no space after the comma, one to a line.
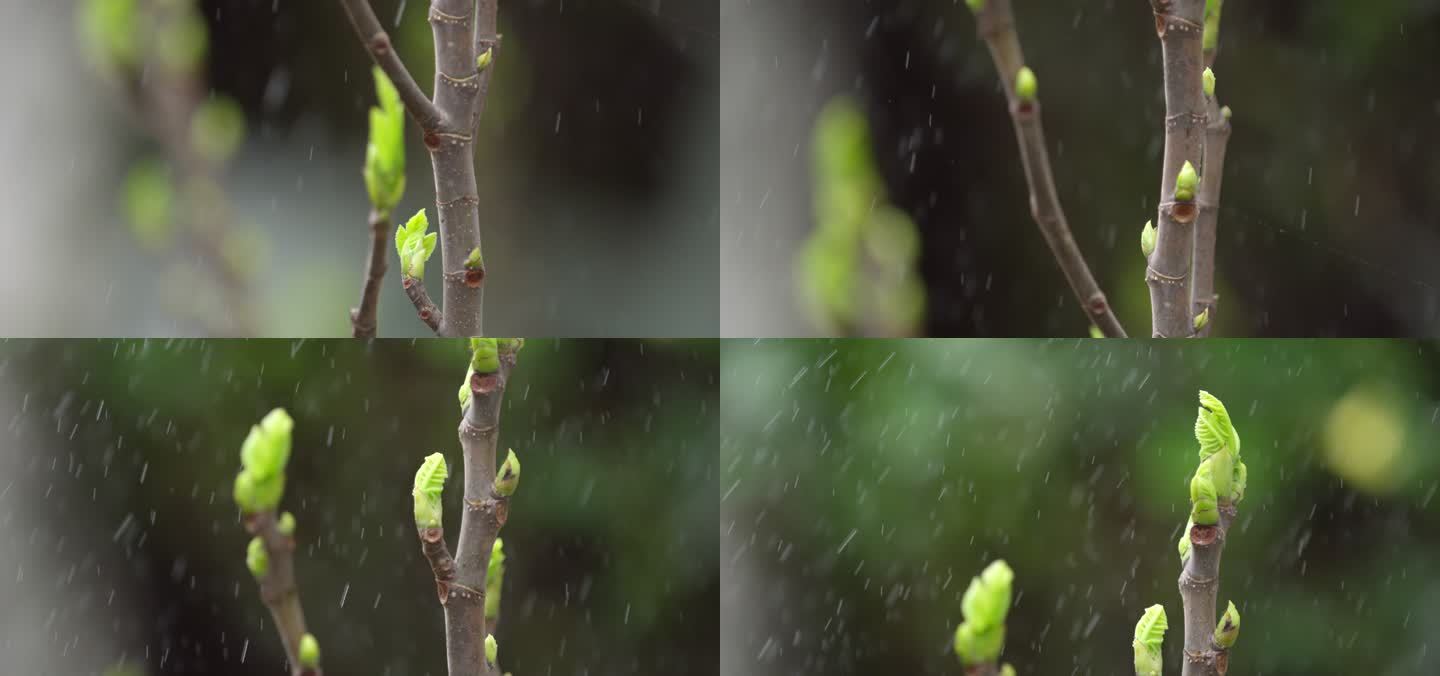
(119,539)
(866,482)
(1329,212)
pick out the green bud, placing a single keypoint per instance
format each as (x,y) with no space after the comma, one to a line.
(429,484)
(492,649)
(1026,84)
(483,61)
(1202,319)
(1149,636)
(1225,112)
(109,27)
(287,524)
(256,558)
(1186,182)
(149,202)
(1229,627)
(414,245)
(987,600)
(1095,332)
(385,151)
(976,6)
(217,128)
(484,355)
(474,261)
(1204,510)
(1147,239)
(266,449)
(494,580)
(1237,487)
(182,44)
(1210,39)
(1208,82)
(309,651)
(507,478)
(1007,670)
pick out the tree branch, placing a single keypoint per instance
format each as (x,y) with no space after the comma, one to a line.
(996,26)
(485,514)
(1178,23)
(377,41)
(1199,584)
(432,544)
(487,37)
(278,589)
(1217,136)
(424,307)
(363,319)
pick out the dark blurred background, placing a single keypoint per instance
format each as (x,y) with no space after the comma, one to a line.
(119,541)
(1329,213)
(597,163)
(865,483)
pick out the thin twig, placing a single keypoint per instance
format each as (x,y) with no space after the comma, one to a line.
(1217,137)
(363,319)
(424,307)
(1178,23)
(277,587)
(1199,585)
(377,41)
(442,565)
(996,26)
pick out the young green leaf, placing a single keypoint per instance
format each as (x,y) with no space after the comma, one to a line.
(1237,487)
(1204,510)
(414,245)
(507,478)
(1228,629)
(309,651)
(1213,428)
(1149,637)
(385,151)
(1210,39)
(266,449)
(429,485)
(484,355)
(985,604)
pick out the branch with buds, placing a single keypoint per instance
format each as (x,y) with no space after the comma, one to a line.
(468,583)
(466,44)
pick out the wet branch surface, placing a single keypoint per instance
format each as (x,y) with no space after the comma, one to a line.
(448,125)
(364,319)
(278,589)
(1179,25)
(996,26)
(1199,588)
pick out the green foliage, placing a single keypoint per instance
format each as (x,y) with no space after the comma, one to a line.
(1228,629)
(149,202)
(256,558)
(414,245)
(507,478)
(385,151)
(427,490)
(494,581)
(217,128)
(264,454)
(1149,637)
(1026,85)
(857,268)
(986,602)
(309,651)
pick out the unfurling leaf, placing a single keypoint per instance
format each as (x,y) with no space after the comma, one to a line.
(264,454)
(428,488)
(985,604)
(1149,638)
(414,245)
(484,355)
(1204,509)
(385,151)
